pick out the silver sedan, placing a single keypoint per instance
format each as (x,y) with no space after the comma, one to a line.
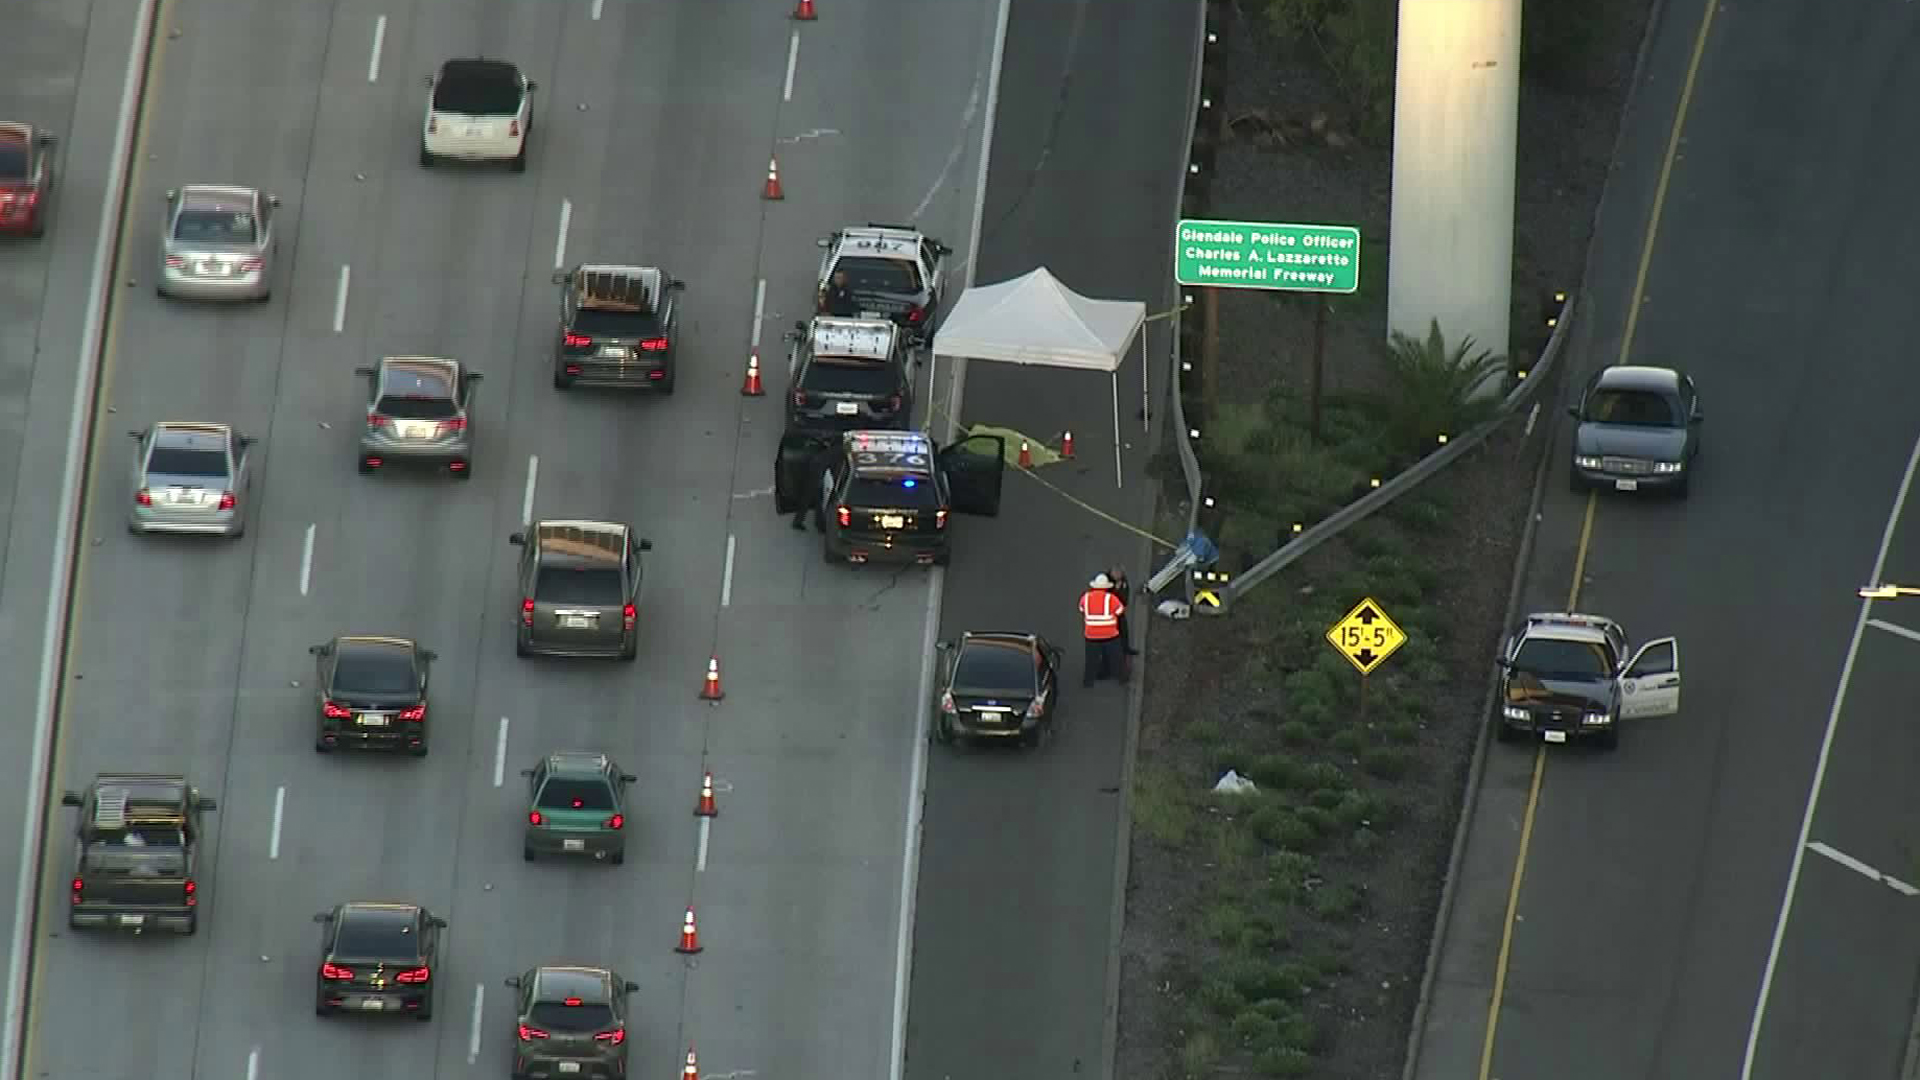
(217,243)
(189,478)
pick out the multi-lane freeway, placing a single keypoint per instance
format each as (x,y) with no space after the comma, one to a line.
(1704,902)
(654,123)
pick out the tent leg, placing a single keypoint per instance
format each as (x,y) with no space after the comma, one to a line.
(1119,475)
(933,392)
(1146,390)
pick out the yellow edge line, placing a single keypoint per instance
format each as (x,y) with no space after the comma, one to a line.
(109,348)
(1586,526)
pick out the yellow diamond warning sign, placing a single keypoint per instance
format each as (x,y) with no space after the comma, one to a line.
(1366,637)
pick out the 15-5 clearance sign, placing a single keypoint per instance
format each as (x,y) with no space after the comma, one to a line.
(1257,255)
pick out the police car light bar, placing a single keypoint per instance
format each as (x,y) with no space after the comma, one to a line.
(862,341)
(890,442)
(1570,618)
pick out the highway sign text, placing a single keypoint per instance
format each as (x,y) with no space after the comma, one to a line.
(1366,637)
(1259,255)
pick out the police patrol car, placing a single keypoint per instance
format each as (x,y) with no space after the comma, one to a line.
(889,494)
(848,373)
(1565,676)
(894,271)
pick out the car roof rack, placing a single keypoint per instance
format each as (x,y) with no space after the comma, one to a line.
(619,288)
(110,808)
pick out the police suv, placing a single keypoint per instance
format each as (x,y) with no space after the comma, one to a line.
(1566,676)
(894,271)
(887,495)
(848,373)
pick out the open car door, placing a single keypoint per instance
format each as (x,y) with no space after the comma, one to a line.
(1651,685)
(975,467)
(789,470)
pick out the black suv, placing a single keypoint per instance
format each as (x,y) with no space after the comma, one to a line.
(618,328)
(377,958)
(372,693)
(894,272)
(846,374)
(135,853)
(579,589)
(888,494)
(998,685)
(570,1021)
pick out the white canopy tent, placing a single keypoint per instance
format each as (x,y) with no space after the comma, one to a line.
(1034,319)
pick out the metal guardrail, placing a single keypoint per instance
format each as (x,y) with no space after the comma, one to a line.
(1189,463)
(1373,501)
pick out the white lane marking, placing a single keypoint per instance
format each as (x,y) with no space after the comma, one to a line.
(473,1033)
(726,576)
(253,1064)
(793,61)
(759,309)
(526,501)
(1820,772)
(959,147)
(596,9)
(340,299)
(1863,869)
(560,245)
(706,831)
(755,493)
(500,755)
(60,574)
(1894,628)
(379,39)
(279,815)
(306,562)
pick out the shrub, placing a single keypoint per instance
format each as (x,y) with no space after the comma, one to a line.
(1284,1062)
(1349,741)
(1256,1030)
(1296,733)
(1273,772)
(1327,798)
(1287,874)
(1279,827)
(1223,923)
(1219,996)
(1436,388)
(1402,732)
(1320,821)
(1311,697)
(1199,1053)
(1161,809)
(1334,902)
(1388,762)
(1257,979)
(1352,809)
(1234,846)
(1202,732)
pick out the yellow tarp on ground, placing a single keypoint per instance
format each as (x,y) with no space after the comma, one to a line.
(1042,455)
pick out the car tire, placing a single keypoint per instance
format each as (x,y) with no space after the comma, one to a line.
(1680,489)
(1608,740)
(238,534)
(1504,732)
(519,162)
(417,751)
(263,297)
(132,528)
(193,926)
(942,734)
(425,1012)
(562,382)
(427,161)
(666,386)
(362,465)
(160,292)
(1574,484)
(526,853)
(618,858)
(631,651)
(320,1008)
(520,648)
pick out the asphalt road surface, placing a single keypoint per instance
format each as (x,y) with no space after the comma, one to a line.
(1012,934)
(653,127)
(1654,876)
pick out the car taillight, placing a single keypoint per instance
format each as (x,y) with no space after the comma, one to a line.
(528,1034)
(658,344)
(577,341)
(939,519)
(227,500)
(414,977)
(534,818)
(800,398)
(249,265)
(513,128)
(79,888)
(916,313)
(188,890)
(335,972)
(846,518)
(627,615)
(375,420)
(616,1036)
(175,262)
(448,427)
(143,497)
(526,612)
(433,124)
(616,821)
(32,199)
(416,714)
(335,712)
(946,701)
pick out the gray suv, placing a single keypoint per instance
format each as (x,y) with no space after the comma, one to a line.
(189,478)
(579,589)
(418,411)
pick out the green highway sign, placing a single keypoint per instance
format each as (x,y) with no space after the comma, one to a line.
(1261,255)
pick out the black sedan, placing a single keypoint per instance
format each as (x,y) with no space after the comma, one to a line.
(372,693)
(997,686)
(377,958)
(1639,431)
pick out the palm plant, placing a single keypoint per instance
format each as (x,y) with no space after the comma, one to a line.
(1436,389)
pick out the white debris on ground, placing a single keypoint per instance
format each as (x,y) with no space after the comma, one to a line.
(1232,783)
(1174,609)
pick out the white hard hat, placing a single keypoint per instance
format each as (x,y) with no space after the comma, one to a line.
(1100,581)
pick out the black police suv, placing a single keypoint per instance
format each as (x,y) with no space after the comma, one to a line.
(847,374)
(377,958)
(372,694)
(889,494)
(135,853)
(997,686)
(619,328)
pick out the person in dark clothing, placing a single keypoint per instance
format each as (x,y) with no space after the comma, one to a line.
(838,297)
(1123,591)
(819,481)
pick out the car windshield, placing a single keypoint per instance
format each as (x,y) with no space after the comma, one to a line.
(1552,657)
(369,672)
(995,667)
(594,322)
(892,493)
(867,273)
(597,586)
(13,161)
(151,852)
(1641,407)
(569,793)
(376,937)
(186,461)
(214,227)
(559,1016)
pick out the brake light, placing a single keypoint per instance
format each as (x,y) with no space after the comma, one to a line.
(570,1002)
(335,972)
(143,497)
(32,199)
(433,124)
(188,890)
(448,427)
(513,128)
(79,887)
(627,616)
(916,313)
(939,519)
(175,262)
(615,1037)
(249,265)
(415,977)
(416,714)
(375,420)
(526,612)
(658,344)
(846,518)
(335,712)
(800,398)
(577,341)
(946,702)
(227,500)
(616,821)
(528,1034)
(534,818)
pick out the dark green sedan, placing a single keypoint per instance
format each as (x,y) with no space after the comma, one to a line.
(576,806)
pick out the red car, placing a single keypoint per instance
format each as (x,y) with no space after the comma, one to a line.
(26,179)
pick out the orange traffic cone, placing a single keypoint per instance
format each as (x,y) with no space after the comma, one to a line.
(773,181)
(689,937)
(804,12)
(1066,445)
(710,690)
(692,1071)
(751,388)
(706,807)
(1026,455)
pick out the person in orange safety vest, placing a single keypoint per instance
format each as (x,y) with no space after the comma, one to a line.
(1100,612)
